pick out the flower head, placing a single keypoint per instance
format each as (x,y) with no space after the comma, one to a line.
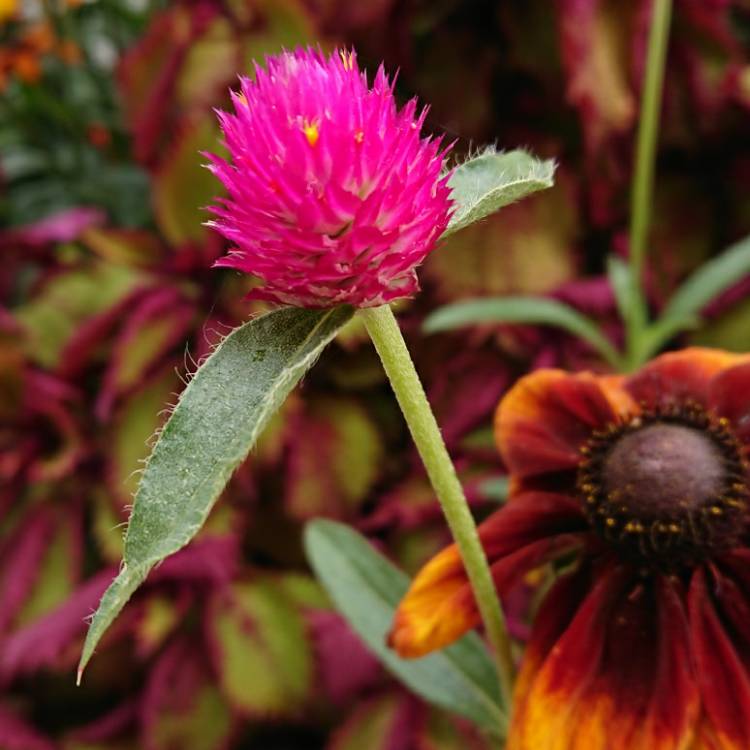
(636,490)
(333,196)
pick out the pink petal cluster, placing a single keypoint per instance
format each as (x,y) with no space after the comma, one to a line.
(333,196)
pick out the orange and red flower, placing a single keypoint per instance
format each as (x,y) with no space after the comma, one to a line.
(636,489)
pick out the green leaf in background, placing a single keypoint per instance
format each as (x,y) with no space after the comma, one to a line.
(215,423)
(682,312)
(182,186)
(660,332)
(286,24)
(526,248)
(137,419)
(491,180)
(533,310)
(55,577)
(708,282)
(366,589)
(52,317)
(496,489)
(375,722)
(334,467)
(370,726)
(628,295)
(263,654)
(730,330)
(185,708)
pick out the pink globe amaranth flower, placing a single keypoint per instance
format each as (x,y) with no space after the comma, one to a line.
(333,196)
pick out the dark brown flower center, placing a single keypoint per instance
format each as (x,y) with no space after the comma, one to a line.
(662,467)
(667,486)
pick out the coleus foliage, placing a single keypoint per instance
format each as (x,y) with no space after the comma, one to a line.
(97,456)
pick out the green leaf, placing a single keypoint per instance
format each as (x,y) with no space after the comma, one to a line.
(631,305)
(682,310)
(625,291)
(184,707)
(730,330)
(182,187)
(127,441)
(496,489)
(55,578)
(56,312)
(215,423)
(125,247)
(491,180)
(333,473)
(532,310)
(286,24)
(527,248)
(263,653)
(370,726)
(710,280)
(660,332)
(209,65)
(366,589)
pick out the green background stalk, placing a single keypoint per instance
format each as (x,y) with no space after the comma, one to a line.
(643,177)
(389,343)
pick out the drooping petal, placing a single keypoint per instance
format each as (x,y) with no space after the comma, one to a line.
(720,630)
(610,671)
(543,421)
(439,607)
(680,376)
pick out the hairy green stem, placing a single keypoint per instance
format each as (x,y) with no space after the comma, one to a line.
(643,177)
(389,343)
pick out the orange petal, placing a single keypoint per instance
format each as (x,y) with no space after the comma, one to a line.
(616,675)
(542,422)
(436,610)
(440,607)
(680,376)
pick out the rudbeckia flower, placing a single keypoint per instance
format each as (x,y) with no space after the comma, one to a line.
(333,195)
(636,489)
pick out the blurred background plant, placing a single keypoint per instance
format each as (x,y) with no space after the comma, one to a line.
(108,302)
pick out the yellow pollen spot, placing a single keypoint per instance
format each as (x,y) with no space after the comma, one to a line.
(347,58)
(716,510)
(674,528)
(359,136)
(242,99)
(611,522)
(311,131)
